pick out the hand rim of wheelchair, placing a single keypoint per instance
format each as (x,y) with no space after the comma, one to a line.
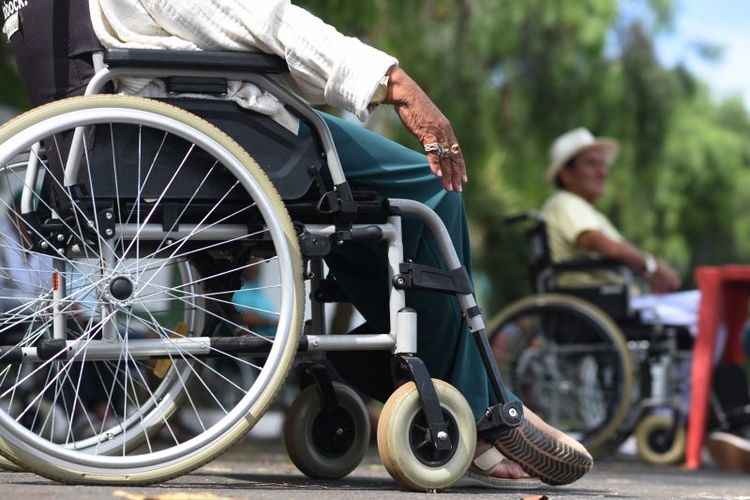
(66,115)
(607,431)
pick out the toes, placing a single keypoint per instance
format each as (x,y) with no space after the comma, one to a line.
(509,470)
(517,471)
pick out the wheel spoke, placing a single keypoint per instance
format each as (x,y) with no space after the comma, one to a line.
(77,390)
(174,254)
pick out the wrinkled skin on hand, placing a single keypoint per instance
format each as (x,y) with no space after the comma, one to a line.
(423,119)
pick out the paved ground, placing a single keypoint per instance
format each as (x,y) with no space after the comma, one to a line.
(261,470)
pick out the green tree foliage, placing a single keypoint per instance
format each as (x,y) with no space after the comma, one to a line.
(512,75)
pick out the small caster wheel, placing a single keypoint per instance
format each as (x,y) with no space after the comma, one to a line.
(327,444)
(404,442)
(658,442)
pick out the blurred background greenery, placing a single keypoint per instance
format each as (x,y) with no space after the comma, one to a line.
(512,75)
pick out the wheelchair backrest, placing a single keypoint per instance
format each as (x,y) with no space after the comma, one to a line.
(292,161)
(540,257)
(538,249)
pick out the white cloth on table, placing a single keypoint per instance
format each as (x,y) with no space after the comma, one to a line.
(676,309)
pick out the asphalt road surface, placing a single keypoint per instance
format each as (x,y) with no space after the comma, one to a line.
(260,469)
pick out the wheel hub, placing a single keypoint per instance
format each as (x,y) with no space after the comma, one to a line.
(334,432)
(661,440)
(421,443)
(121,288)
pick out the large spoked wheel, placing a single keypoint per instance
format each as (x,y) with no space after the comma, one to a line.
(327,443)
(153,291)
(569,363)
(659,441)
(404,443)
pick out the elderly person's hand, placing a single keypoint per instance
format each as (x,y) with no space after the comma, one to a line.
(423,119)
(665,279)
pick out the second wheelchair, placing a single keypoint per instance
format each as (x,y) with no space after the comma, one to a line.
(581,358)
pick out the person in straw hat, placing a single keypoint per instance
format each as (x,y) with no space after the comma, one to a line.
(579,167)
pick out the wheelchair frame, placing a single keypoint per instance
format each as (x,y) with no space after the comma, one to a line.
(402,337)
(401,340)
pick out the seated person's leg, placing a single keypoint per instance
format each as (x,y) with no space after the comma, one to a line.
(373,162)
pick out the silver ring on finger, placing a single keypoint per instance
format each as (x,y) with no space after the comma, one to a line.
(442,150)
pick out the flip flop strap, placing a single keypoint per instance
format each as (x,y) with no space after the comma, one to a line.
(488,459)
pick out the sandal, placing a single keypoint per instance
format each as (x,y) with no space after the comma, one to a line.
(545,452)
(481,468)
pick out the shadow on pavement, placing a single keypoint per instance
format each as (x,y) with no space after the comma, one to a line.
(280,481)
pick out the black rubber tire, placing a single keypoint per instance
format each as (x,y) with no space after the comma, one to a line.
(322,450)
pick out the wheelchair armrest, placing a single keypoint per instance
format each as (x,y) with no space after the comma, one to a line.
(589,265)
(614,299)
(222,61)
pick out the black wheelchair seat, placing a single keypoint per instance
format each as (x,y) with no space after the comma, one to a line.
(291,160)
(288,160)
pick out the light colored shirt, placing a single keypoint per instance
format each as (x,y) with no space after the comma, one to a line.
(568,216)
(325,65)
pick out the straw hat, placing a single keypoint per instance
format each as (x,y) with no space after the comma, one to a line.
(573,142)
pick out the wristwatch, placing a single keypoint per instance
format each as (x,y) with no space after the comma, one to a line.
(651,264)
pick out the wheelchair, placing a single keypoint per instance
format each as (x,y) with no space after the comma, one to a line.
(118,356)
(586,363)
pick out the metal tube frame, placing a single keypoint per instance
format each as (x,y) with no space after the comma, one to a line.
(391,233)
(320,340)
(106,75)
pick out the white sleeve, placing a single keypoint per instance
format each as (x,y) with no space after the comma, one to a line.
(341,69)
